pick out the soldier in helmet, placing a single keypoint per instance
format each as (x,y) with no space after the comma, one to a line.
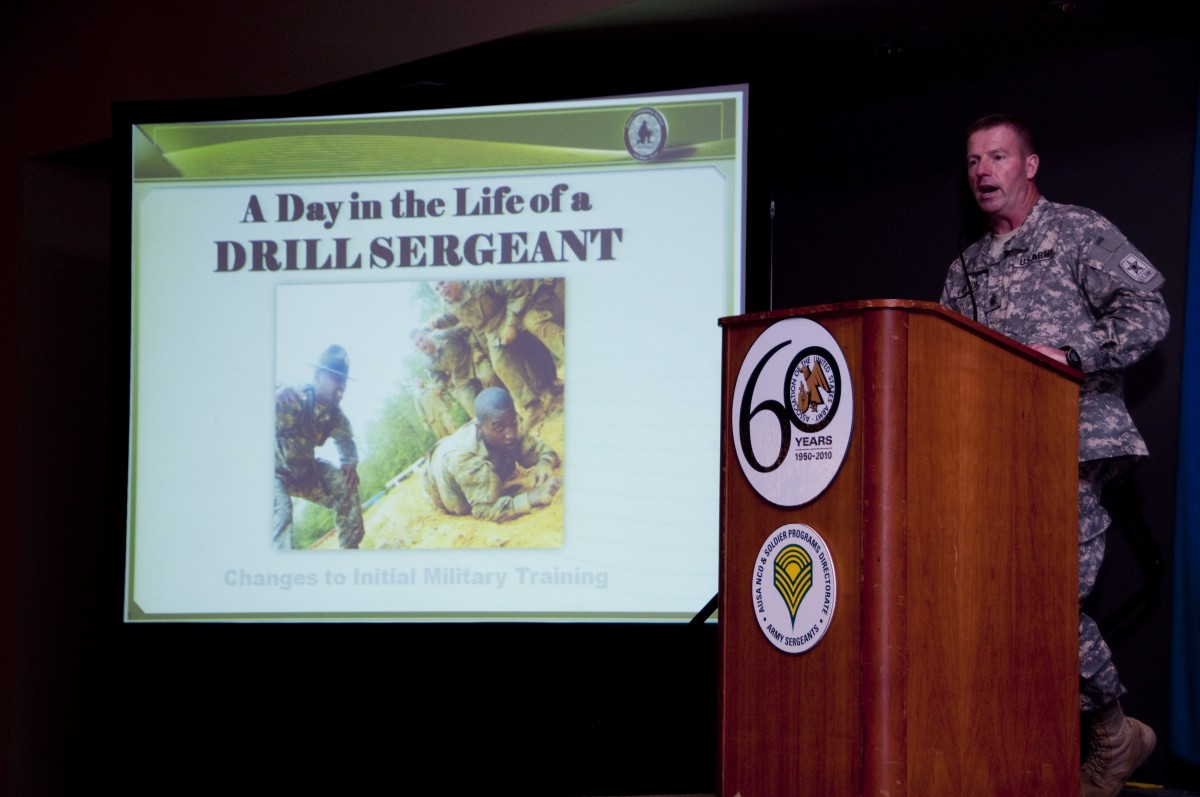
(305,417)
(1065,281)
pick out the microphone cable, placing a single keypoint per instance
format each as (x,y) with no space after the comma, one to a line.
(962,259)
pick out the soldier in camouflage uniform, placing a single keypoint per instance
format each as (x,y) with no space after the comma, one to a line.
(453,356)
(433,408)
(305,417)
(537,307)
(1065,281)
(474,471)
(483,306)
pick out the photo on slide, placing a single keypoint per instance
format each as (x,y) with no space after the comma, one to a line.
(419,415)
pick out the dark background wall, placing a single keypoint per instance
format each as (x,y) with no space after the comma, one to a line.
(857,141)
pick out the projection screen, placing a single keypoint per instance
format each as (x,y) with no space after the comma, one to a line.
(437,365)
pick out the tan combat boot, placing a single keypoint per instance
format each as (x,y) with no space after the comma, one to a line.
(1119,745)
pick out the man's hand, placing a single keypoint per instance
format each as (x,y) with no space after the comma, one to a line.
(350,474)
(544,493)
(542,472)
(288,399)
(1058,355)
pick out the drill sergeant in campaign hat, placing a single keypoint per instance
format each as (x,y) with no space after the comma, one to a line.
(305,418)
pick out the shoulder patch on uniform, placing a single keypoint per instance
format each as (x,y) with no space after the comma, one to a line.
(1138,270)
(1120,257)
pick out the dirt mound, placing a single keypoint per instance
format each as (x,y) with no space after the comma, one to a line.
(404,517)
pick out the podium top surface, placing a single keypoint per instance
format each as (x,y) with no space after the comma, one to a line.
(909,306)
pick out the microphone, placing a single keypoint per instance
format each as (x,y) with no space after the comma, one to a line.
(771,258)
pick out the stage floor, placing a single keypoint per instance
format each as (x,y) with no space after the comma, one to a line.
(1131,790)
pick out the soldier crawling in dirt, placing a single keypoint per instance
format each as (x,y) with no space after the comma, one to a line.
(475,470)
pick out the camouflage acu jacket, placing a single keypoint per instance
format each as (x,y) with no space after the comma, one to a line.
(1070,278)
(303,426)
(465,477)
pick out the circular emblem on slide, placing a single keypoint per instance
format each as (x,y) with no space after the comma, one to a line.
(794,588)
(645,134)
(791,449)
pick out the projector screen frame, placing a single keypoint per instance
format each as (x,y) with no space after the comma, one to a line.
(294,106)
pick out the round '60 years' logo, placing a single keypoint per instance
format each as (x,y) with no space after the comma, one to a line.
(793,408)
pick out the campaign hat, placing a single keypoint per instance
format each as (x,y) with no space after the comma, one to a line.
(335,360)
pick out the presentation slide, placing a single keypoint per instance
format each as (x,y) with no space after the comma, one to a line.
(448,365)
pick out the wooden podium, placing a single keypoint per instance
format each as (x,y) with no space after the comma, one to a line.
(950,665)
